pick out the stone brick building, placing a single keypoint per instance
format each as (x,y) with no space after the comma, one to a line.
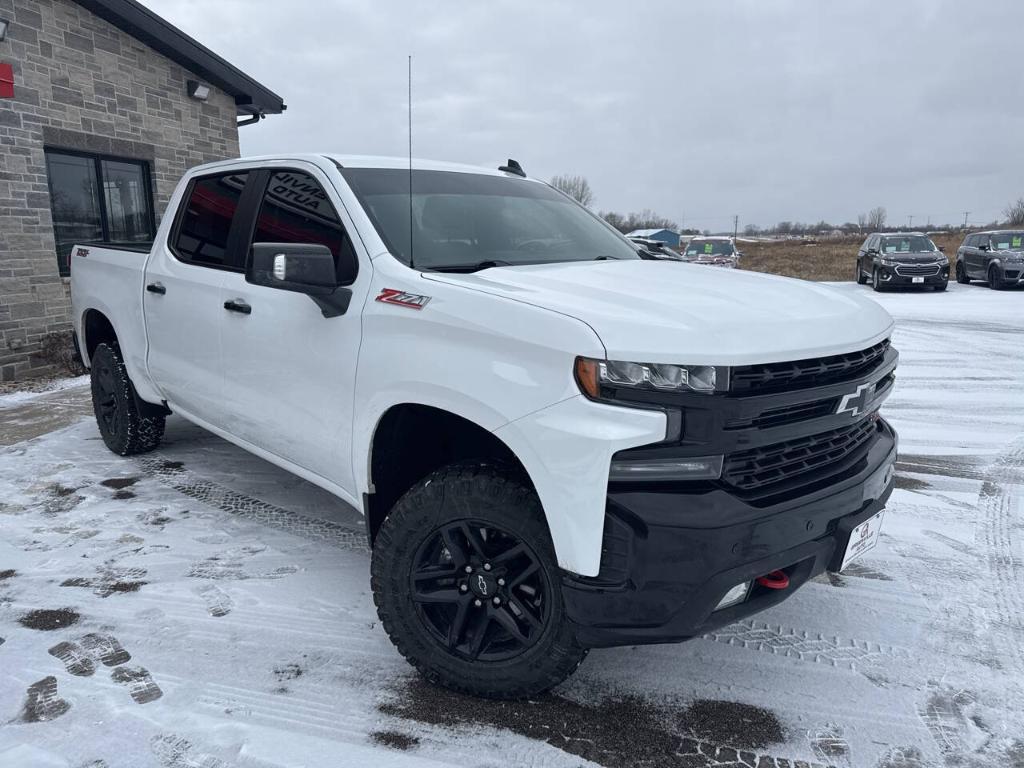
(103,105)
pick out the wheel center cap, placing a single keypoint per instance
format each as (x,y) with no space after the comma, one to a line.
(483,585)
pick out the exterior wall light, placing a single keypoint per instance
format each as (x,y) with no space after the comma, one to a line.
(4,23)
(198,91)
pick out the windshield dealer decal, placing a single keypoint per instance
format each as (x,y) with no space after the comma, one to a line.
(402,299)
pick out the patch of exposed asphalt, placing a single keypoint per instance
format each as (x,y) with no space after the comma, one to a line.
(395,740)
(907,483)
(616,733)
(117,483)
(8,574)
(288,672)
(122,495)
(965,467)
(49,619)
(728,722)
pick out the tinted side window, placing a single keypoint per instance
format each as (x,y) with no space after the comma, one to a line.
(296,209)
(202,234)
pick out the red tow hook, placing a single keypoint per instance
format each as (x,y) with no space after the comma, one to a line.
(774,580)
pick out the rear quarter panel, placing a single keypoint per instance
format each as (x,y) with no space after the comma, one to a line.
(111,281)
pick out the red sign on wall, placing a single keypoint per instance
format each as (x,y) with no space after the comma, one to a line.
(6,82)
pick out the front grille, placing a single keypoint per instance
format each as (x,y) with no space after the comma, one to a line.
(787,414)
(804,459)
(815,372)
(917,270)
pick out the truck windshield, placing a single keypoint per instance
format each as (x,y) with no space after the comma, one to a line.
(907,244)
(710,248)
(1008,241)
(467,221)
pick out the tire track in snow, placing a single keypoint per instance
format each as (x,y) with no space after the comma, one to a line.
(817,648)
(1000,505)
(174,475)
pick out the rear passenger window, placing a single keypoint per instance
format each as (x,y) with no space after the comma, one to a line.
(202,236)
(296,209)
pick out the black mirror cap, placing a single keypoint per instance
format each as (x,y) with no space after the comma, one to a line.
(301,267)
(942,248)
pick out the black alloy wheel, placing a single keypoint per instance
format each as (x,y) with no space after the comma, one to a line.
(479,591)
(125,429)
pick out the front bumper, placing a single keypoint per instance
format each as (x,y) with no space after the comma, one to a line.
(670,557)
(904,275)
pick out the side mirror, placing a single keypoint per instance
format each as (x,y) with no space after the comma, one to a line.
(872,251)
(982,247)
(942,248)
(301,268)
(739,254)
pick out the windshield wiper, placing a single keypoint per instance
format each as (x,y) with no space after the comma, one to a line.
(470,267)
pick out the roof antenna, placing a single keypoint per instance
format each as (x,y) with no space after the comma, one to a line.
(412,263)
(513,166)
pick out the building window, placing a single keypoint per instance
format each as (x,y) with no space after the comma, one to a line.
(98,199)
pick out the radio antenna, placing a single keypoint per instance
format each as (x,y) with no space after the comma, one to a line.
(412,263)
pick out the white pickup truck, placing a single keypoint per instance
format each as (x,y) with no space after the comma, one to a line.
(556,443)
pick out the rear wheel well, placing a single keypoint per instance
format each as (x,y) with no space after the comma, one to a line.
(98,330)
(411,441)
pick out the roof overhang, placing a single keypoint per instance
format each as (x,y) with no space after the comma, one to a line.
(252,99)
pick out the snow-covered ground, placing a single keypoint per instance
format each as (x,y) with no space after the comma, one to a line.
(198,608)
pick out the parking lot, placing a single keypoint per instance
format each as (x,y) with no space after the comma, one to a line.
(199,607)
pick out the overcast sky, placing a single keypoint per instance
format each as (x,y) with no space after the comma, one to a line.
(770,110)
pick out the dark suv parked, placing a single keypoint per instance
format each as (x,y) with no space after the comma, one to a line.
(997,257)
(902,259)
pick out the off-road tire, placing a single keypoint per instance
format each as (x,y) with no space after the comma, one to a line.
(961,274)
(861,280)
(125,431)
(487,494)
(994,281)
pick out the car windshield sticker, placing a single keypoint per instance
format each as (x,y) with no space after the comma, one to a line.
(708,247)
(1002,246)
(890,248)
(1016,242)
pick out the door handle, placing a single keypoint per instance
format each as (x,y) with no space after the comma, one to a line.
(156,288)
(237,305)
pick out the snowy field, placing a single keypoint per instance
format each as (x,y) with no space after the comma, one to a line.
(198,608)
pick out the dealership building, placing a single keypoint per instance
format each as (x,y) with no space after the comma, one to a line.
(103,106)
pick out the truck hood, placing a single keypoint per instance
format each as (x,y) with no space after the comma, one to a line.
(669,312)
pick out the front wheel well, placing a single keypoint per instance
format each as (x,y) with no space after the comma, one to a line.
(413,440)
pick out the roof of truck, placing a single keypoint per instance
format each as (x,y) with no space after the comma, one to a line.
(365,161)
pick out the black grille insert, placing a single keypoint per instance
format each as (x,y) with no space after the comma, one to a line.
(804,459)
(815,372)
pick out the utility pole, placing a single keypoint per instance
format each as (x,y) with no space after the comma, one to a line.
(966,214)
(735,226)
(911,218)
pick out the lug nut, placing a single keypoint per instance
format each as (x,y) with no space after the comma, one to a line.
(477,603)
(468,569)
(501,582)
(463,588)
(496,601)
(487,566)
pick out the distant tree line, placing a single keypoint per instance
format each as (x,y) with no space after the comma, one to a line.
(578,188)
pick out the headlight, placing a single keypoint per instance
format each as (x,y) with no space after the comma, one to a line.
(886,261)
(593,375)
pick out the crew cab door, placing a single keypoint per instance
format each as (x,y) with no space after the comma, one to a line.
(182,303)
(289,370)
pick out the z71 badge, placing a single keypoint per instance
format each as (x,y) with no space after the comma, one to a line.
(403,299)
